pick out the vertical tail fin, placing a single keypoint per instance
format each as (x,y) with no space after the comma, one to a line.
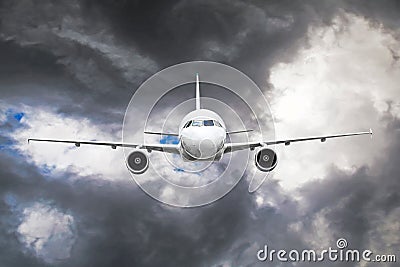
(197,92)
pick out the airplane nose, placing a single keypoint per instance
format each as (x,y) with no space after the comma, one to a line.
(207,148)
(200,149)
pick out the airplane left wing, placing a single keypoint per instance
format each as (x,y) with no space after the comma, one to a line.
(168,148)
(231,147)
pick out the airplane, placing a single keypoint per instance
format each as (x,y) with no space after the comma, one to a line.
(202,137)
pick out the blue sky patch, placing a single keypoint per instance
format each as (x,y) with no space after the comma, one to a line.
(169,139)
(11,124)
(6,146)
(19,115)
(5,143)
(14,116)
(47,169)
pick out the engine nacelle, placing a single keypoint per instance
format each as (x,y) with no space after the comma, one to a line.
(266,159)
(137,162)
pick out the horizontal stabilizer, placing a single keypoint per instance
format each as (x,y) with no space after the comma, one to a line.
(241,131)
(160,133)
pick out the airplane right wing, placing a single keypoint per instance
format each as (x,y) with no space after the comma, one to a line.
(231,147)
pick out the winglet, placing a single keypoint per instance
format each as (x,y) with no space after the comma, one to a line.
(197,92)
(370,132)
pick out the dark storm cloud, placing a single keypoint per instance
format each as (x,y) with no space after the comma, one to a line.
(233,32)
(58,58)
(76,41)
(62,55)
(98,52)
(118,225)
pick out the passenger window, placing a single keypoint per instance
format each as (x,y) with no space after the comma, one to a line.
(208,123)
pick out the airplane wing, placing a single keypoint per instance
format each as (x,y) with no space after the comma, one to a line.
(231,147)
(168,148)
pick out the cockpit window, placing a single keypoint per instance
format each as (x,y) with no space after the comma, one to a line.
(202,123)
(208,123)
(197,123)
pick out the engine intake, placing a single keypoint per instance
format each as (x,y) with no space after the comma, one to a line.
(266,159)
(137,162)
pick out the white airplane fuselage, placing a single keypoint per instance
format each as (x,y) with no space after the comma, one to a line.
(202,135)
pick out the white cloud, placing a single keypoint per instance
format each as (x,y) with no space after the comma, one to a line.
(340,83)
(58,158)
(47,232)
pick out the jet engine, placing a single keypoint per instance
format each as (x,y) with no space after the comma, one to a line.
(137,162)
(266,159)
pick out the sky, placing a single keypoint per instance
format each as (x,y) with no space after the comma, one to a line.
(69,68)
